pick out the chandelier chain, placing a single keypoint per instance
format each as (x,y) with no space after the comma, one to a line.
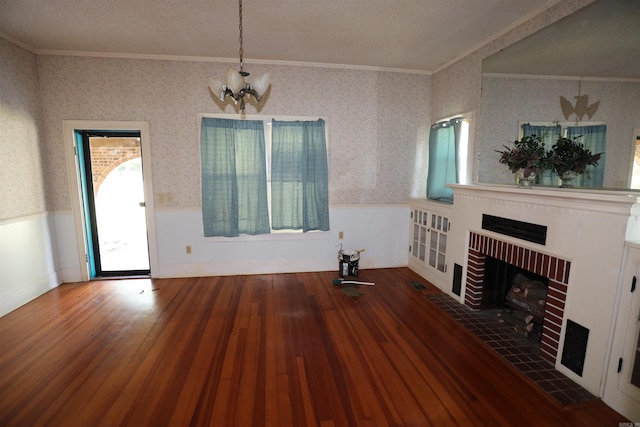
(237,87)
(240,28)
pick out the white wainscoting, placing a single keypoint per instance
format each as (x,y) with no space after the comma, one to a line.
(379,229)
(27,260)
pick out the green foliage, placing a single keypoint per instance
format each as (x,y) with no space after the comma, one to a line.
(565,155)
(570,155)
(527,154)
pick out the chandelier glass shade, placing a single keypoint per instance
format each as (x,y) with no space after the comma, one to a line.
(235,85)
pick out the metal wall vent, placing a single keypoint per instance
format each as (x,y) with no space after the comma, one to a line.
(575,347)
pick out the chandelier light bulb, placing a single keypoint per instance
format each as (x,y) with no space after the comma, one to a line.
(261,84)
(235,81)
(216,87)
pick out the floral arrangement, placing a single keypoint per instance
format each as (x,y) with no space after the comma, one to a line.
(569,155)
(527,154)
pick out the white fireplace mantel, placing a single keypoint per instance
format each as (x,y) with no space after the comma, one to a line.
(588,228)
(623,202)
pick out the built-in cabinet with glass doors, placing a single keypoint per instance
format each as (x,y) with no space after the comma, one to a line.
(428,241)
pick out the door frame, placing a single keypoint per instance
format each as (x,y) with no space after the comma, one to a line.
(73,174)
(632,154)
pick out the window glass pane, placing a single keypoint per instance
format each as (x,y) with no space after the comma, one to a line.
(635,178)
(442,247)
(434,240)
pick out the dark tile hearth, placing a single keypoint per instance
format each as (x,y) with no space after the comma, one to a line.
(519,351)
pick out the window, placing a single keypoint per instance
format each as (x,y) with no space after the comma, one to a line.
(299,176)
(252,178)
(635,174)
(592,135)
(448,151)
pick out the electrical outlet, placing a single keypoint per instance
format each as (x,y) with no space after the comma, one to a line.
(188,249)
(340,235)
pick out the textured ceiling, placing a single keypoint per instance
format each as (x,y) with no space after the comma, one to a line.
(420,35)
(600,40)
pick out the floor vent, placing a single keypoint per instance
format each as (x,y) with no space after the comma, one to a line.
(575,347)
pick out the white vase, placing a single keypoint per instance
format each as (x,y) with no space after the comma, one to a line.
(567,179)
(525,181)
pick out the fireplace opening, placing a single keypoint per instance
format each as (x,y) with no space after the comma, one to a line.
(556,269)
(516,295)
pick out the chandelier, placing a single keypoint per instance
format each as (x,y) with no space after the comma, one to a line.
(236,86)
(581,106)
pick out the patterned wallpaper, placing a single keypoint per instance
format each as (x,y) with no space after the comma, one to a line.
(377,121)
(374,122)
(21,173)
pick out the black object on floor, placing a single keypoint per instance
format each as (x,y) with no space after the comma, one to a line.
(416,285)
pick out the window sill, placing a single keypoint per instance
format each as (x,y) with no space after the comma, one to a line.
(272,237)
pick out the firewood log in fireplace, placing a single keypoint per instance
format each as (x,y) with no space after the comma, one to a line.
(524,324)
(525,331)
(513,317)
(528,295)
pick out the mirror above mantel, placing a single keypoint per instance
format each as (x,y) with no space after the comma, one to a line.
(595,52)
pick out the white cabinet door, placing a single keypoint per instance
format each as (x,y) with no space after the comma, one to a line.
(438,242)
(428,241)
(429,238)
(622,386)
(420,231)
(629,379)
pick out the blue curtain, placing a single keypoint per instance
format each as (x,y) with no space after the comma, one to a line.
(549,135)
(593,138)
(234,178)
(444,143)
(299,176)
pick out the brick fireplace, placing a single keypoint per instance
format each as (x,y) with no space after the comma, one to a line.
(580,255)
(551,267)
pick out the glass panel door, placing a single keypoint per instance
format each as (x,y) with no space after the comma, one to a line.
(115,206)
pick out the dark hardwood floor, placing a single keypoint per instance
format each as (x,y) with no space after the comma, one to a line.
(263,350)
